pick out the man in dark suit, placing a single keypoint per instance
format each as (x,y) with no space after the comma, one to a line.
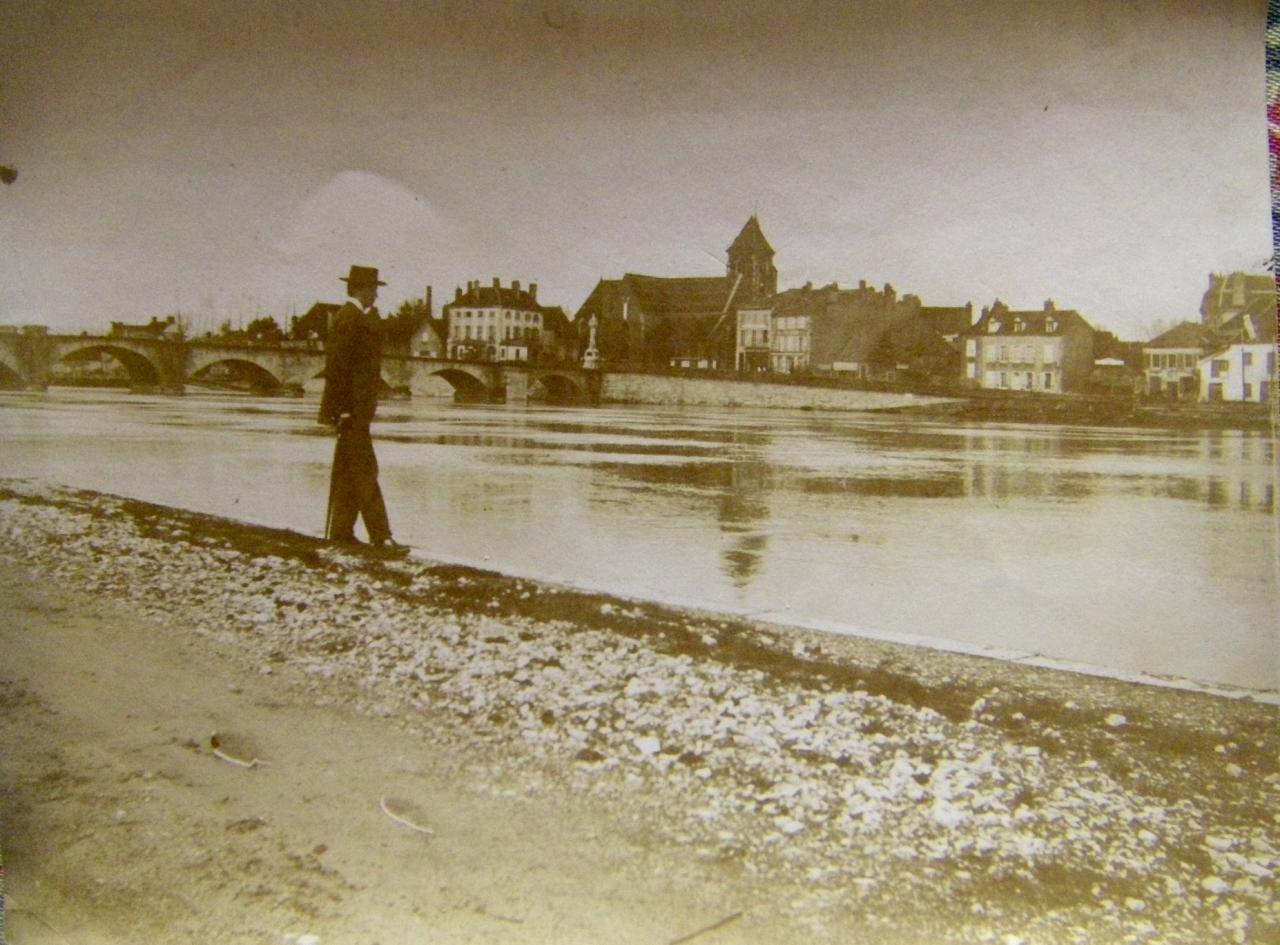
(352,376)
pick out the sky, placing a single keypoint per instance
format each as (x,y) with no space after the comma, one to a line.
(227,160)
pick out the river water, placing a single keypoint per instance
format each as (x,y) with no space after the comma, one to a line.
(1128,551)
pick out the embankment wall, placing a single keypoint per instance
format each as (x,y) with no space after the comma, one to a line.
(623,388)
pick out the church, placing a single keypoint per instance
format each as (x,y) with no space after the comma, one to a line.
(683,321)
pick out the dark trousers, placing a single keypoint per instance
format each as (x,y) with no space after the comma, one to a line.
(353,488)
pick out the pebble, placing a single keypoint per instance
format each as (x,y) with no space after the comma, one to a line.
(868,791)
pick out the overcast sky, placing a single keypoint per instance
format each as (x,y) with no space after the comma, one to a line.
(233,159)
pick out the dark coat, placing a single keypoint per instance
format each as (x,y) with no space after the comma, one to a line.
(352,365)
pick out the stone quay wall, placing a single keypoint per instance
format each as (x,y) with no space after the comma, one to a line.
(625,388)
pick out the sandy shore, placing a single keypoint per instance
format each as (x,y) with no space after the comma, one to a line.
(590,769)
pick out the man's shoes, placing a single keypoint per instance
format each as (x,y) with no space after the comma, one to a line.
(389,548)
(348,541)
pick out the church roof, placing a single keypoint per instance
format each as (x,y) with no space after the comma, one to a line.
(682,295)
(751,239)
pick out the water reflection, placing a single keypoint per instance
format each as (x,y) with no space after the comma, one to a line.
(1132,548)
(742,506)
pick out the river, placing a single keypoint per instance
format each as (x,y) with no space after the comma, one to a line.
(1123,550)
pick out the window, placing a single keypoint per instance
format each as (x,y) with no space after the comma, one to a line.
(1248,391)
(971,347)
(1218,367)
(1048,380)
(1004,379)
(1246,359)
(1271,363)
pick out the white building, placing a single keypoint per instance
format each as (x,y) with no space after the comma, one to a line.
(1245,370)
(752,352)
(789,348)
(1050,350)
(493,323)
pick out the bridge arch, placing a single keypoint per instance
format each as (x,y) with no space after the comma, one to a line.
(142,371)
(467,388)
(237,372)
(559,388)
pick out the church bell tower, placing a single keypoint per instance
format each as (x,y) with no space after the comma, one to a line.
(751,258)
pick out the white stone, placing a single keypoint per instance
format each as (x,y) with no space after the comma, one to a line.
(1215,885)
(647,745)
(1116,720)
(788,825)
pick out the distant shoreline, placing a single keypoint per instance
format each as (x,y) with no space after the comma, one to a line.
(1099,411)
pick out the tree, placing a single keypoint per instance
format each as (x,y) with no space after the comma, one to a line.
(264,329)
(884,354)
(408,318)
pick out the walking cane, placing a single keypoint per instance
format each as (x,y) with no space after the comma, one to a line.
(333,489)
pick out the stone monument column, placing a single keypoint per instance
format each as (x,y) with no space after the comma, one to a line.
(591,357)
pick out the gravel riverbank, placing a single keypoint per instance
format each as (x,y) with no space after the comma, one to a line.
(851,790)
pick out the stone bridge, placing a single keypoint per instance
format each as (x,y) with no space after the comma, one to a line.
(28,355)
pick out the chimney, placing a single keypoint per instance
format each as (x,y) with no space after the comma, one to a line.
(515,285)
(497,283)
(427,298)
(533,291)
(862,283)
(1048,305)
(457,293)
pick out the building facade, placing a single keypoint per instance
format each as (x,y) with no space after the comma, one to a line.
(494,322)
(1171,360)
(1050,350)
(1242,370)
(752,352)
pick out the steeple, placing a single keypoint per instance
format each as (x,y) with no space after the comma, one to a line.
(751,258)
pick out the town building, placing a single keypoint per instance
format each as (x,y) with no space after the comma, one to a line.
(859,332)
(430,339)
(681,321)
(1244,369)
(314,325)
(1050,350)
(1170,361)
(494,322)
(1238,293)
(663,321)
(558,343)
(949,321)
(753,345)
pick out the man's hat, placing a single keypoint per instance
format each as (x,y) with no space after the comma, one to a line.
(361,276)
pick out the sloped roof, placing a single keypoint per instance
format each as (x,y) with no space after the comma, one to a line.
(1033,322)
(555,319)
(486,296)
(687,295)
(751,239)
(1250,328)
(1183,335)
